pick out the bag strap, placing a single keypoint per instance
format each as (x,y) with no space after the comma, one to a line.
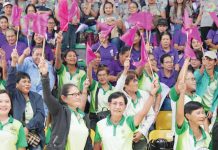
(96,99)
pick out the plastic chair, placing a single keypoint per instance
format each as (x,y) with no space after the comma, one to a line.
(164,120)
(165,134)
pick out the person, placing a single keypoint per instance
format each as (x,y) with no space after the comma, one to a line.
(27,105)
(51,32)
(111,19)
(29,65)
(3,70)
(11,44)
(146,78)
(136,100)
(116,131)
(69,128)
(214,141)
(106,49)
(189,119)
(7,7)
(96,65)
(68,71)
(136,49)
(207,83)
(37,41)
(3,28)
(195,63)
(12,132)
(165,48)
(212,38)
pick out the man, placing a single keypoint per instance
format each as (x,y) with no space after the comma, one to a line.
(207,82)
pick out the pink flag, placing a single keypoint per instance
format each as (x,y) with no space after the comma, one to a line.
(214,17)
(102,26)
(27,19)
(90,55)
(128,37)
(105,33)
(187,21)
(144,55)
(40,24)
(74,10)
(195,34)
(143,19)
(15,16)
(189,52)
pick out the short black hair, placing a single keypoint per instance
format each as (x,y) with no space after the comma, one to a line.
(163,57)
(191,106)
(117,95)
(3,17)
(165,33)
(30,5)
(22,75)
(123,50)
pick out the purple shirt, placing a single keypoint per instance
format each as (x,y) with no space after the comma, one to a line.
(8,49)
(2,39)
(158,52)
(49,36)
(94,75)
(213,35)
(48,52)
(135,55)
(171,81)
(107,54)
(179,38)
(116,67)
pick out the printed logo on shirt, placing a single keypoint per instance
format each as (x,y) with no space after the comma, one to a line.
(112,52)
(13,130)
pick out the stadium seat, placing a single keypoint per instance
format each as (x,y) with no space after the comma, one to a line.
(92,134)
(164,120)
(165,134)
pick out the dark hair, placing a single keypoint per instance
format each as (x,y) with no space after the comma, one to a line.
(117,95)
(214,27)
(163,57)
(191,106)
(131,74)
(35,48)
(55,21)
(11,29)
(30,5)
(21,75)
(165,33)
(107,3)
(137,5)
(3,17)
(123,50)
(176,7)
(6,92)
(66,87)
(65,55)
(103,68)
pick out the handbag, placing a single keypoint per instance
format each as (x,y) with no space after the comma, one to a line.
(105,112)
(160,144)
(33,139)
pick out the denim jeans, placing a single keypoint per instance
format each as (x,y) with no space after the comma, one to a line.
(35,148)
(166,106)
(69,38)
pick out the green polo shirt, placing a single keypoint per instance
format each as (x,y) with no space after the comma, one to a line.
(2,84)
(12,135)
(175,96)
(78,132)
(145,82)
(187,141)
(115,135)
(102,96)
(64,76)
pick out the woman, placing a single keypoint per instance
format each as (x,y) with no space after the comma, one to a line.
(96,65)
(212,38)
(196,63)
(196,45)
(3,70)
(67,70)
(136,50)
(69,128)
(51,33)
(120,130)
(165,48)
(189,119)
(117,66)
(146,78)
(11,36)
(12,132)
(3,28)
(27,105)
(111,19)
(37,41)
(106,49)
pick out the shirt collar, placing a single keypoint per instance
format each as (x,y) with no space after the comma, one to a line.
(81,113)
(204,136)
(110,123)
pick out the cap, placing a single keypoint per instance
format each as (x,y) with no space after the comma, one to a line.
(210,54)
(7,3)
(162,21)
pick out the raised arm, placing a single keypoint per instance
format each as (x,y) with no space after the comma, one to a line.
(89,72)
(58,60)
(25,54)
(53,105)
(4,64)
(142,113)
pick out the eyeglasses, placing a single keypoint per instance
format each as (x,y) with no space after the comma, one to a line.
(74,94)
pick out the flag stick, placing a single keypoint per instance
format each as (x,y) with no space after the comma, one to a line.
(43,48)
(17,36)
(98,48)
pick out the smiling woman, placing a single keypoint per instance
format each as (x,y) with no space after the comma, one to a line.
(11,130)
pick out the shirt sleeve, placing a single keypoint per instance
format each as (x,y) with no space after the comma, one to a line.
(173,94)
(97,135)
(130,123)
(21,142)
(60,70)
(210,34)
(182,129)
